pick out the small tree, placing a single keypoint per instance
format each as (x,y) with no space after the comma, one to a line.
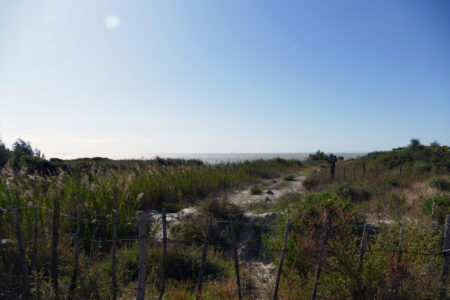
(4,154)
(23,148)
(415,144)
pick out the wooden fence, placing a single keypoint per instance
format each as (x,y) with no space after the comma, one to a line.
(140,221)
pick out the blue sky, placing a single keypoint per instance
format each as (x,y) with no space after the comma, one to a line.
(223,76)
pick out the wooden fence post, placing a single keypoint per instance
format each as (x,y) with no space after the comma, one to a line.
(54,266)
(203,266)
(114,247)
(401,169)
(432,208)
(321,256)
(22,258)
(73,282)
(164,257)
(142,277)
(283,254)
(364,170)
(362,248)
(446,257)
(236,258)
(344,172)
(35,242)
(399,259)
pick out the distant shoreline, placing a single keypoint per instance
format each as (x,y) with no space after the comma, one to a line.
(210,158)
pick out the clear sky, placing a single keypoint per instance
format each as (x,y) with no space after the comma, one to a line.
(130,77)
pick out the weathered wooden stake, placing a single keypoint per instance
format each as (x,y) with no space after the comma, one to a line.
(432,208)
(354,173)
(54,266)
(283,254)
(73,282)
(400,171)
(376,171)
(321,256)
(362,248)
(22,258)
(203,266)
(164,257)
(142,277)
(236,259)
(113,263)
(399,259)
(364,170)
(35,242)
(446,255)
(344,172)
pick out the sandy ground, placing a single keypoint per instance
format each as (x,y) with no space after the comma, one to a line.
(278,188)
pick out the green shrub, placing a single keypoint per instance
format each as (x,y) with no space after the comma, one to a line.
(311,182)
(289,177)
(194,229)
(440,183)
(256,190)
(441,206)
(354,191)
(221,209)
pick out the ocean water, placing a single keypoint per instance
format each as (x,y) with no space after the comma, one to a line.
(214,158)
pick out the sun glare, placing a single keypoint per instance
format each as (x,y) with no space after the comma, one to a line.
(112,22)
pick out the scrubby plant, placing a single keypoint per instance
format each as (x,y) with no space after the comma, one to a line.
(289,177)
(354,191)
(256,190)
(439,182)
(441,206)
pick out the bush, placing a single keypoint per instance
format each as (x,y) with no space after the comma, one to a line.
(194,229)
(289,177)
(441,207)
(353,191)
(4,155)
(256,190)
(318,156)
(311,182)
(440,183)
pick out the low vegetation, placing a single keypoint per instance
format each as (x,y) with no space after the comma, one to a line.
(383,192)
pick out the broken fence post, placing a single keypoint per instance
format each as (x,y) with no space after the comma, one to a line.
(22,258)
(113,263)
(164,257)
(203,266)
(54,265)
(362,248)
(73,282)
(321,256)
(142,277)
(236,258)
(399,259)
(446,257)
(283,254)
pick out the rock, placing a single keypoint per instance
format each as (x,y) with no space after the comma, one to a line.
(269,192)
(267,199)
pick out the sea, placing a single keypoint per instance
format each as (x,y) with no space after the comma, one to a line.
(212,158)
